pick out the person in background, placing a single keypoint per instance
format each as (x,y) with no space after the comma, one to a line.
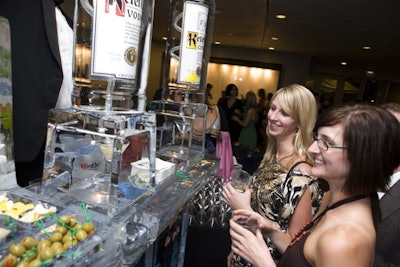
(37,77)
(215,123)
(356,148)
(248,134)
(388,232)
(208,93)
(262,109)
(282,188)
(231,105)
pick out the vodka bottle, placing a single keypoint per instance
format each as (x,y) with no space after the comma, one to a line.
(188,49)
(112,41)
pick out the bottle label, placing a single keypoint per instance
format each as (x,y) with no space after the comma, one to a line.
(115,44)
(193,35)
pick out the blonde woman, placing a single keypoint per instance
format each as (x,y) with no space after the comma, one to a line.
(282,189)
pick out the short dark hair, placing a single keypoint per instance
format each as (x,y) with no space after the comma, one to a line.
(372,137)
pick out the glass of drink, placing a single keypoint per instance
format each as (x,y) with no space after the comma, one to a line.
(240,179)
(183,127)
(108,146)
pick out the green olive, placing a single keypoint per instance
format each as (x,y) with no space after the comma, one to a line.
(68,237)
(35,263)
(73,221)
(69,244)
(43,244)
(78,226)
(46,253)
(88,227)
(56,245)
(61,229)
(59,250)
(56,237)
(9,261)
(66,219)
(81,235)
(17,249)
(29,242)
(30,255)
(23,264)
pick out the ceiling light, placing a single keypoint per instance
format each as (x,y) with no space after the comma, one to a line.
(366,47)
(281,16)
(275,38)
(217,43)
(343,63)
(370,72)
(271,48)
(164,38)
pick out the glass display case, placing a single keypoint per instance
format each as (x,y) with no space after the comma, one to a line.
(97,151)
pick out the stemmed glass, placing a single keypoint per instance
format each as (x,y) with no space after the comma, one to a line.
(107,147)
(183,127)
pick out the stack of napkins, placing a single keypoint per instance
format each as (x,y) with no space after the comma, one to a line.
(140,171)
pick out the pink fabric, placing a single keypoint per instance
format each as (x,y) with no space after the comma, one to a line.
(224,153)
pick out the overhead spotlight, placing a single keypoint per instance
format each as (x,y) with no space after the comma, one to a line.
(275,38)
(366,47)
(217,43)
(281,16)
(165,38)
(343,63)
(369,73)
(271,48)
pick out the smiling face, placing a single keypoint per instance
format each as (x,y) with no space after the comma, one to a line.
(280,123)
(331,164)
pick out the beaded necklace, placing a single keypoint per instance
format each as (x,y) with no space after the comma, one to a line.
(306,229)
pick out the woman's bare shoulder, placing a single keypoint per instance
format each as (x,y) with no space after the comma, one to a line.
(343,241)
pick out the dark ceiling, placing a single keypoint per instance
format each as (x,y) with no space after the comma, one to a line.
(331,31)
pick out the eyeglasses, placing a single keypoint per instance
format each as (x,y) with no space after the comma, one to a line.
(324,144)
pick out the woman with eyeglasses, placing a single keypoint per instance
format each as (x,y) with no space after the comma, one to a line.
(355,149)
(282,188)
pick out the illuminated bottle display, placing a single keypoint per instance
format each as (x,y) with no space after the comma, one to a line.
(188,47)
(112,51)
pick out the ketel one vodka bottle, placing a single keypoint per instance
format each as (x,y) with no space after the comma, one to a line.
(112,41)
(188,49)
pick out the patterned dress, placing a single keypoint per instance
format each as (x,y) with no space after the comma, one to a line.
(275,194)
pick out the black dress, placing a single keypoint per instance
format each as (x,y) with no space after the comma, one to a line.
(234,127)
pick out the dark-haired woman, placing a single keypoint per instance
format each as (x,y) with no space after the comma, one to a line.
(355,149)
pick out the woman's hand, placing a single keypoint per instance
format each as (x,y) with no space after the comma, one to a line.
(255,220)
(250,246)
(215,133)
(236,199)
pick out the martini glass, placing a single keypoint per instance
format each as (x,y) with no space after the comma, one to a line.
(108,146)
(183,127)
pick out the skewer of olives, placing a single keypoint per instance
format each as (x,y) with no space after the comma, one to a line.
(30,252)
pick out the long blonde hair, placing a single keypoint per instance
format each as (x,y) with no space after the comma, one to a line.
(300,104)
